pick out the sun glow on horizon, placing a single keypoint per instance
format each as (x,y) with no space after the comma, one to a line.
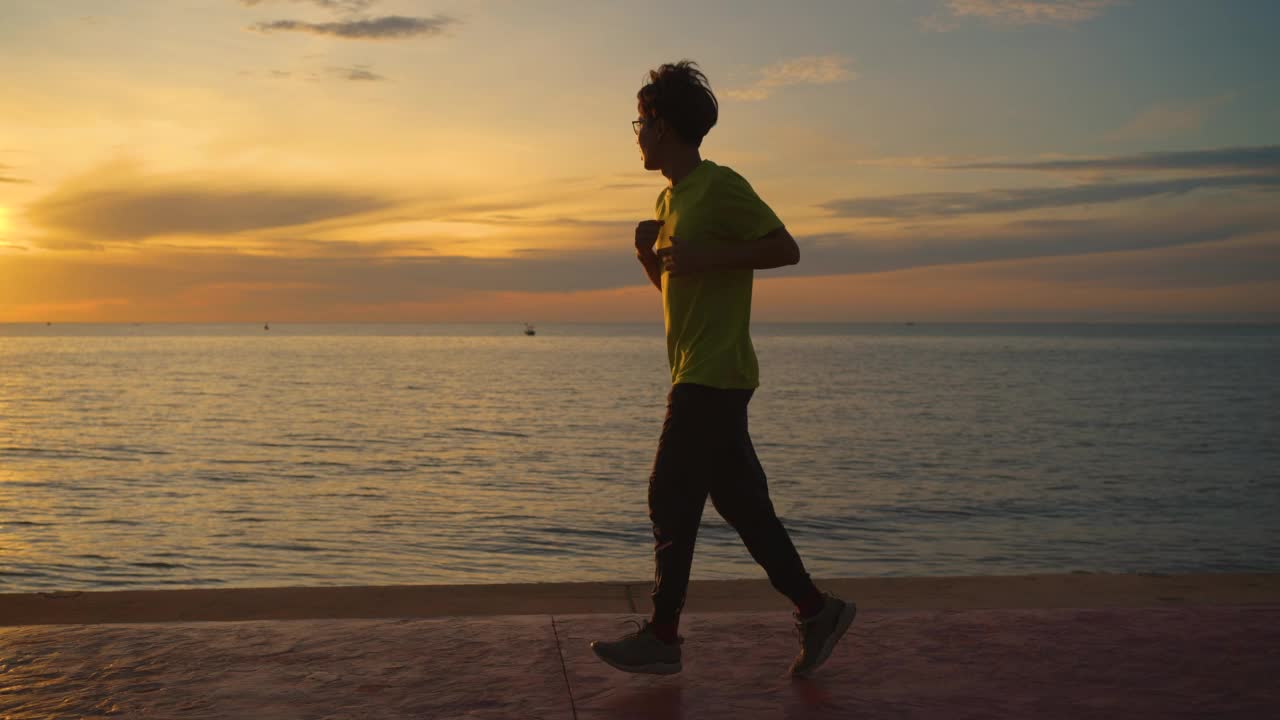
(422,170)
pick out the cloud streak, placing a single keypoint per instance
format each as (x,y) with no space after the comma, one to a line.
(1017,13)
(357,73)
(842,253)
(1169,119)
(1214,265)
(944,204)
(354,73)
(390,27)
(343,5)
(9,178)
(1263,158)
(135,214)
(1189,250)
(810,70)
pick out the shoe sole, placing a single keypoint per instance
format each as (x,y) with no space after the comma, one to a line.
(650,669)
(846,619)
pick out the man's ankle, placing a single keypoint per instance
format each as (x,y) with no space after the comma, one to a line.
(665,631)
(812,604)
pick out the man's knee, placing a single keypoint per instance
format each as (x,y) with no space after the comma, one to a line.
(673,523)
(744,510)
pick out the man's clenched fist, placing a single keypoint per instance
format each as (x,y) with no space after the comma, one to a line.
(647,234)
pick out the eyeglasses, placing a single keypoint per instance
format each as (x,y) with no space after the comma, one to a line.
(636,125)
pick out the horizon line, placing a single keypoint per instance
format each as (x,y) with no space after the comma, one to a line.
(640,322)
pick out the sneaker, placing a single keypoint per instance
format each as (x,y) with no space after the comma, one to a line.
(820,633)
(640,652)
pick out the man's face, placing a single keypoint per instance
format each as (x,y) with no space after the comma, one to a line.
(648,139)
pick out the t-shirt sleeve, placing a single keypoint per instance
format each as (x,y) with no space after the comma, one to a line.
(743,214)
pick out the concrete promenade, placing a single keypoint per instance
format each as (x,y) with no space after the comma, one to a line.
(1036,646)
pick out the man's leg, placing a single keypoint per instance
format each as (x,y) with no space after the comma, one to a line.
(740,493)
(677,494)
(739,490)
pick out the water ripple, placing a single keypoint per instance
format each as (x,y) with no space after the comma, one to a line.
(889,451)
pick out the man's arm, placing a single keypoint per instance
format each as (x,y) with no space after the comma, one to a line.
(647,232)
(775,249)
(652,266)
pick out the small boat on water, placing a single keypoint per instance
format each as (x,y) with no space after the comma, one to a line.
(528,330)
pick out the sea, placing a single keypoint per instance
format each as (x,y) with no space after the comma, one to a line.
(164,456)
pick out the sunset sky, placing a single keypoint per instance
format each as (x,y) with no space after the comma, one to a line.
(451,160)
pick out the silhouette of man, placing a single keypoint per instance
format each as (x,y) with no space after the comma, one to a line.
(710,233)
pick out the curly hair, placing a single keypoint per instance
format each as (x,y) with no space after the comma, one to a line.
(679,94)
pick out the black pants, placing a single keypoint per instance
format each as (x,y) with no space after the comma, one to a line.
(705,449)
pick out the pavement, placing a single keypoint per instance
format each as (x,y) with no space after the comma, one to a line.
(1210,652)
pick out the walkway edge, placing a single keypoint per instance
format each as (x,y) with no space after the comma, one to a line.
(294,603)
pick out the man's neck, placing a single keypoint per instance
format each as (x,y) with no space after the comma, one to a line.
(681,165)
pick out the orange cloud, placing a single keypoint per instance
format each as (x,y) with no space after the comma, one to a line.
(809,70)
(1021,12)
(1169,119)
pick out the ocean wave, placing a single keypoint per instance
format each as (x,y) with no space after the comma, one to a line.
(503,433)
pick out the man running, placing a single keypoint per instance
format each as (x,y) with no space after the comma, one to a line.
(712,231)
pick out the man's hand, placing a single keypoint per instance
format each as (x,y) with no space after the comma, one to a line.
(647,235)
(681,259)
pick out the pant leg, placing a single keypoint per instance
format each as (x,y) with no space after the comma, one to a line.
(739,490)
(677,494)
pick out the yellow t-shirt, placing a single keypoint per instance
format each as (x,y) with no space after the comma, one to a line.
(708,315)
